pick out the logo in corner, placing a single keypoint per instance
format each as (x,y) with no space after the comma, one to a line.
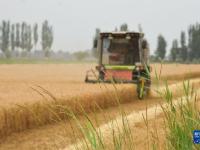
(196,136)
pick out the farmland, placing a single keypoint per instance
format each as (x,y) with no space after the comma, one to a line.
(64,80)
(23,87)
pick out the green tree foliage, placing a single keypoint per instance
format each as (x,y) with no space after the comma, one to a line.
(12,36)
(174,50)
(194,42)
(5,29)
(124,27)
(190,52)
(47,37)
(161,48)
(17,37)
(23,36)
(35,34)
(29,44)
(95,43)
(80,55)
(183,50)
(26,38)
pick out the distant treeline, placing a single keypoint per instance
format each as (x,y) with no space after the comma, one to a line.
(182,50)
(24,37)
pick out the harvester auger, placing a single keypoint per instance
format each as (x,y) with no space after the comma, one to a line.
(123,58)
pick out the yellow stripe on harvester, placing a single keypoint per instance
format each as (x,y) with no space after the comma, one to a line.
(119,67)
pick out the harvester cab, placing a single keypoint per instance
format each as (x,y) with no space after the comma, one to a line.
(123,58)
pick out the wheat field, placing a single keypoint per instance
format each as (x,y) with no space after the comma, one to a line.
(65,80)
(25,92)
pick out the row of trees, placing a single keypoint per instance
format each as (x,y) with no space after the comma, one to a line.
(181,50)
(23,36)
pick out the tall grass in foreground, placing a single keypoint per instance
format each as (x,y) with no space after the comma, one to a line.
(181,117)
(95,138)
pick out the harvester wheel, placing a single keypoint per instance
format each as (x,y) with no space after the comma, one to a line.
(141,89)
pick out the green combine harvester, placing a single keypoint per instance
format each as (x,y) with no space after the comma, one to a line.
(123,58)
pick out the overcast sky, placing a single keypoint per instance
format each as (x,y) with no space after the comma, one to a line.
(74,21)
